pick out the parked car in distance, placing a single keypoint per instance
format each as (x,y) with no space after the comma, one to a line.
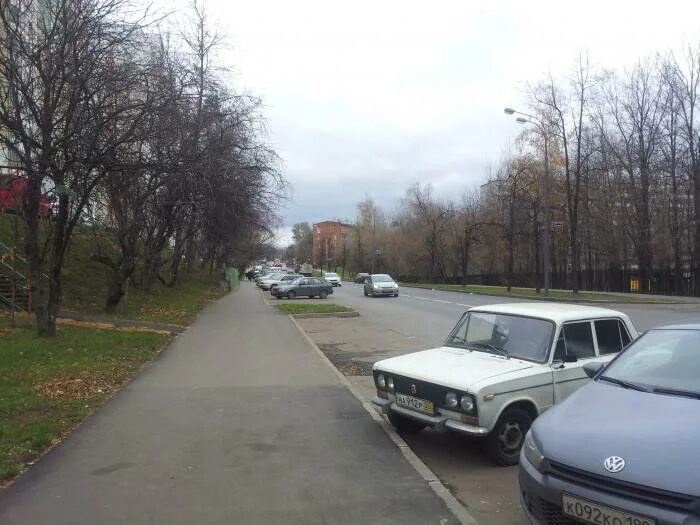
(332,278)
(361,277)
(303,287)
(623,449)
(381,284)
(266,282)
(500,367)
(288,278)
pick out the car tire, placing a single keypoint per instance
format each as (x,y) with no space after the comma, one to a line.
(396,294)
(404,424)
(278,297)
(507,437)
(323,294)
(291,294)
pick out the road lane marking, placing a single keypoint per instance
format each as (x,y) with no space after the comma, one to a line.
(441,301)
(422,298)
(467,305)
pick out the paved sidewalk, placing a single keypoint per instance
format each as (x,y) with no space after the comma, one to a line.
(238,422)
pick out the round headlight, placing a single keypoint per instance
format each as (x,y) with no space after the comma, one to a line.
(381,381)
(467,403)
(390,383)
(451,400)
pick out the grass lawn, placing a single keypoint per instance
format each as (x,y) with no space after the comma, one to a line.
(530,292)
(311,308)
(49,385)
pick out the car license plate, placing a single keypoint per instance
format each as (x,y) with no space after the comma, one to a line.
(599,514)
(421,405)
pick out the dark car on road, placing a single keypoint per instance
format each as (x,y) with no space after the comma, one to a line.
(303,287)
(381,284)
(625,448)
(361,278)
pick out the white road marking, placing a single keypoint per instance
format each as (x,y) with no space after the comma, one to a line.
(441,301)
(467,305)
(422,298)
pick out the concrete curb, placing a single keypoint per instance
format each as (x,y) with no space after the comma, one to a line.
(328,314)
(547,299)
(461,513)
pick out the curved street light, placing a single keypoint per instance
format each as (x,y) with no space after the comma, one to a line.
(524,118)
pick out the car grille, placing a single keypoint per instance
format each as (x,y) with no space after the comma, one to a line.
(424,390)
(649,495)
(553,515)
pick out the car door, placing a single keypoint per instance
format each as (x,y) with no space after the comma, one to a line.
(575,347)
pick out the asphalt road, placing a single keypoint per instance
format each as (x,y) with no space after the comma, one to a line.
(419,319)
(239,421)
(429,315)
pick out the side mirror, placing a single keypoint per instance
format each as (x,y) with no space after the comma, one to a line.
(592,369)
(570,358)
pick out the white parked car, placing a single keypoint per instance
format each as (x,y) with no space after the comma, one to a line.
(332,278)
(501,366)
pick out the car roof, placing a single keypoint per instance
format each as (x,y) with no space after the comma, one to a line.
(557,312)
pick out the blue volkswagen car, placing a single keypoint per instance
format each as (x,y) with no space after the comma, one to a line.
(625,448)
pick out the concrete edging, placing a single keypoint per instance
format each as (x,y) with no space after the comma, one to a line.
(326,314)
(457,509)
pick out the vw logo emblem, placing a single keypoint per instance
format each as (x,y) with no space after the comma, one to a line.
(614,464)
(413,389)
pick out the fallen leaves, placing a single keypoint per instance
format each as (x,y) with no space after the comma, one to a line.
(74,388)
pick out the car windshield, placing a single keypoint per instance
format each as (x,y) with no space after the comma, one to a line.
(667,361)
(331,275)
(508,335)
(381,278)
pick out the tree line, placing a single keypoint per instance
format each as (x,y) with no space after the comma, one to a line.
(133,131)
(623,152)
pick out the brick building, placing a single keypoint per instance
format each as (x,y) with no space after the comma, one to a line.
(329,244)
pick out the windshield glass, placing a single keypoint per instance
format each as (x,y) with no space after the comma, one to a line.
(380,278)
(331,275)
(660,359)
(511,335)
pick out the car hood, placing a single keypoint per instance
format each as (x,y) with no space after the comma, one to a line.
(656,435)
(451,367)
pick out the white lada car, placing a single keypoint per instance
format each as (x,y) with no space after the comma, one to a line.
(501,366)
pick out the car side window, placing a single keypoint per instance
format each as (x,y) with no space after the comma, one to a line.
(304,282)
(609,333)
(578,338)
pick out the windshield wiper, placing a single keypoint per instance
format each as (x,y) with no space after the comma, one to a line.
(674,392)
(623,384)
(494,349)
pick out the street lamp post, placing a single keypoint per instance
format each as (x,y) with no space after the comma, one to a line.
(545,237)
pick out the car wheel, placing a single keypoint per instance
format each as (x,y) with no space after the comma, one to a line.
(506,439)
(404,424)
(323,294)
(278,297)
(396,294)
(291,294)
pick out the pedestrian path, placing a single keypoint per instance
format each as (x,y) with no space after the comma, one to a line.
(237,422)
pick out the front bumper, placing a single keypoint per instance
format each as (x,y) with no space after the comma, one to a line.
(441,423)
(541,500)
(385,291)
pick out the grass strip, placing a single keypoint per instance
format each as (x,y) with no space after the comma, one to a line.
(554,294)
(311,308)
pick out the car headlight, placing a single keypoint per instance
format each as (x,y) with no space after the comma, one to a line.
(451,400)
(531,452)
(376,286)
(390,383)
(396,285)
(467,403)
(381,381)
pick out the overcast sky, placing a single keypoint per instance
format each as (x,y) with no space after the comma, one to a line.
(369,97)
